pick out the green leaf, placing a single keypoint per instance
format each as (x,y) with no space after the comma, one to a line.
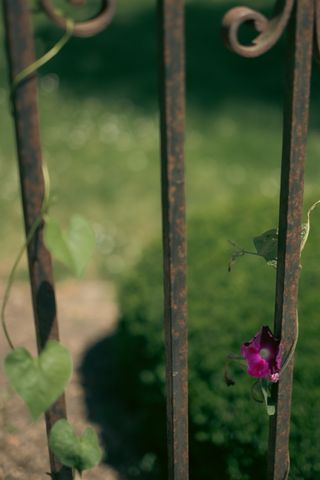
(270,406)
(56,241)
(267,246)
(271,410)
(41,380)
(76,452)
(73,248)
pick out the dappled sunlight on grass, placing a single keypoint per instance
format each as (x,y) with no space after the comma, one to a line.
(99,122)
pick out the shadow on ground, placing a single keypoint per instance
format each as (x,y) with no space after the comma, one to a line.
(131,417)
(133,442)
(121,419)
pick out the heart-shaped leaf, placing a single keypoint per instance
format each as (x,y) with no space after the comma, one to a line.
(76,452)
(73,248)
(267,246)
(41,380)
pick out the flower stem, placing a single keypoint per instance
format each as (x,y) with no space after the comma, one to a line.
(256,388)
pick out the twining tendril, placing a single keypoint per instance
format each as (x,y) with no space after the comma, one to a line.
(30,69)
(293,346)
(86,28)
(269,30)
(34,227)
(11,278)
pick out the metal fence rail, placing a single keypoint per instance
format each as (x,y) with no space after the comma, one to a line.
(171,26)
(20,46)
(301,16)
(295,127)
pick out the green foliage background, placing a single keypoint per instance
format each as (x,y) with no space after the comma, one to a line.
(228,429)
(98,104)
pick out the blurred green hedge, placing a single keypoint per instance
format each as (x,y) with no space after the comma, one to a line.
(228,430)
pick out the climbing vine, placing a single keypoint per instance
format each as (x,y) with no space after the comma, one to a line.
(262,357)
(40,381)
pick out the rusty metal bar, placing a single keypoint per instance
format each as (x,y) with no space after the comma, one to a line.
(172,117)
(87,28)
(300,44)
(20,48)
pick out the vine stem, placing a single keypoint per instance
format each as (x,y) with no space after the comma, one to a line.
(292,349)
(241,251)
(34,226)
(295,341)
(304,241)
(25,73)
(294,344)
(11,277)
(30,69)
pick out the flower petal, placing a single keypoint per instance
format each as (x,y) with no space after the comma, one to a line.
(263,355)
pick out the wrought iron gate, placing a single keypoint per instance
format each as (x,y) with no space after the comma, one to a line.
(302,16)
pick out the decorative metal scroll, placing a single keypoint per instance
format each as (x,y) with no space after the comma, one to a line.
(270,30)
(85,28)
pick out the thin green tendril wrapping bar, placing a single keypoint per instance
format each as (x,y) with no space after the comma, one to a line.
(10,280)
(30,69)
(25,73)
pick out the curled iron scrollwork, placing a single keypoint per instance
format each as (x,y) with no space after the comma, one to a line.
(269,30)
(85,28)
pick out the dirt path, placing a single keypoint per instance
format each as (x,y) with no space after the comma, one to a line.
(87,311)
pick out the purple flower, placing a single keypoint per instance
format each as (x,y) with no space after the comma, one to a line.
(263,355)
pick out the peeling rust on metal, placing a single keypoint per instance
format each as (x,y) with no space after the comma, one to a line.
(87,28)
(172,108)
(296,111)
(20,47)
(300,44)
(269,30)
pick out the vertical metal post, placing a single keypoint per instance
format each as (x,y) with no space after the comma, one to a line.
(20,47)
(291,202)
(172,111)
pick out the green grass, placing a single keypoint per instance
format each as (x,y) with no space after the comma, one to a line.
(99,123)
(228,430)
